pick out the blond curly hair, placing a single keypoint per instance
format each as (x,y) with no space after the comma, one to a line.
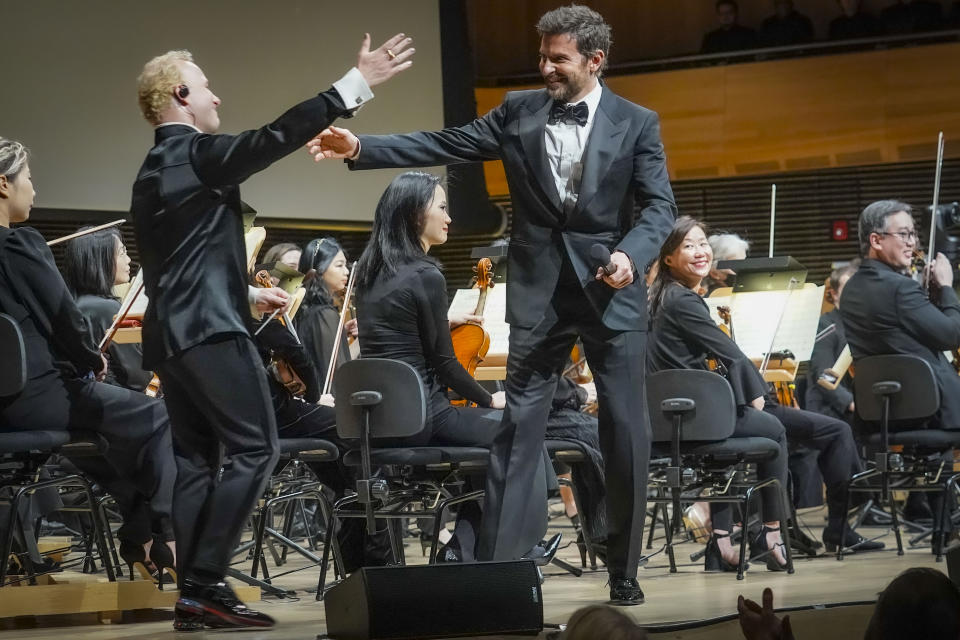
(13,158)
(157,82)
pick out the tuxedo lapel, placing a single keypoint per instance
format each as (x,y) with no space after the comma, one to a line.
(602,145)
(531,129)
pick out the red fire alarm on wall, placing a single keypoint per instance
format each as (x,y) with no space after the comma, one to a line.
(840,230)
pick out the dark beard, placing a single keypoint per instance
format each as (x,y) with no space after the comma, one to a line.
(564,91)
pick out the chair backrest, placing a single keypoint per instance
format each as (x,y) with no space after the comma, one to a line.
(919,395)
(715,411)
(401,413)
(13,357)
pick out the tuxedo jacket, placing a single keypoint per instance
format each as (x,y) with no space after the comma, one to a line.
(623,163)
(885,312)
(189,229)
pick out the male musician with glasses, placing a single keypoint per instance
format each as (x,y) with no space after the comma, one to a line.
(886,311)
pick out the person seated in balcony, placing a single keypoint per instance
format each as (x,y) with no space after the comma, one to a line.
(912,16)
(786,26)
(853,22)
(730,35)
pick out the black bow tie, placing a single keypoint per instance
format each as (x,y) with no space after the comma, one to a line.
(569,113)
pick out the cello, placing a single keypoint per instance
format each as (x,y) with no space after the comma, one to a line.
(470,340)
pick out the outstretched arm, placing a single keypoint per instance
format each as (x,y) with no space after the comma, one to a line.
(230,159)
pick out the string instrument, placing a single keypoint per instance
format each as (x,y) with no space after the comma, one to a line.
(153,387)
(578,370)
(470,340)
(345,307)
(830,378)
(726,325)
(279,367)
(785,372)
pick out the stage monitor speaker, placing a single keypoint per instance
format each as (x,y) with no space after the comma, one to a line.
(436,601)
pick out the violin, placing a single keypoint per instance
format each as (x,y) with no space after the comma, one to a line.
(153,387)
(470,340)
(726,325)
(344,308)
(279,367)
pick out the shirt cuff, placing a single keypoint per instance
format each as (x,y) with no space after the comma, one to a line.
(353,89)
(252,295)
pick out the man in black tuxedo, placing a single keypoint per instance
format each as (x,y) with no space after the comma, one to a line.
(186,211)
(884,311)
(577,158)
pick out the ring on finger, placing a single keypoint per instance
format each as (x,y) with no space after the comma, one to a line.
(391,54)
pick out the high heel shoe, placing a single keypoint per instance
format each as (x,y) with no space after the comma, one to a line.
(542,554)
(585,551)
(713,560)
(134,556)
(162,558)
(759,548)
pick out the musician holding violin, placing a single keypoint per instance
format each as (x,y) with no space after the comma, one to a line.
(402,315)
(324,264)
(885,311)
(93,264)
(64,367)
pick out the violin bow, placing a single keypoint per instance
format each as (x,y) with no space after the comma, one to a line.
(328,382)
(122,314)
(86,232)
(931,256)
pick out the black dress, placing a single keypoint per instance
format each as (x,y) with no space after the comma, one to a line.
(683,336)
(138,468)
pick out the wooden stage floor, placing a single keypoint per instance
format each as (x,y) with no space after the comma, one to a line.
(688,595)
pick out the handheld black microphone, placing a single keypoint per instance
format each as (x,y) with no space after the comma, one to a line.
(601,258)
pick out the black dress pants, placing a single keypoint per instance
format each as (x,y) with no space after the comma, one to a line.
(218,397)
(515,511)
(838,458)
(758,424)
(137,469)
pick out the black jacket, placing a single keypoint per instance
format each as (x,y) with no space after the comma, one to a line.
(186,214)
(886,312)
(683,336)
(623,162)
(825,353)
(33,292)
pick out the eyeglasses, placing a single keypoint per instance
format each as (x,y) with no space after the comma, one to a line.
(905,236)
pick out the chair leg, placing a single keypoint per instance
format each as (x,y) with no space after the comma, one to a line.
(785,530)
(7,544)
(668,530)
(844,524)
(327,541)
(653,525)
(891,504)
(745,506)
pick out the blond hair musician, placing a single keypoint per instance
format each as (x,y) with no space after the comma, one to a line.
(187,216)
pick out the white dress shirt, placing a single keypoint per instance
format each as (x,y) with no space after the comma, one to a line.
(564,145)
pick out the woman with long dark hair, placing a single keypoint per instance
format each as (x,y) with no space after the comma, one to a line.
(325,265)
(402,314)
(682,336)
(59,395)
(93,265)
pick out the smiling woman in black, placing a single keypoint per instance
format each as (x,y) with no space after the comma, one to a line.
(402,315)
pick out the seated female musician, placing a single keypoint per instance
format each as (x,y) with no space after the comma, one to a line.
(325,265)
(92,266)
(138,468)
(682,336)
(285,253)
(402,314)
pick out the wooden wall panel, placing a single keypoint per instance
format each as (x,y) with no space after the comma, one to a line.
(797,114)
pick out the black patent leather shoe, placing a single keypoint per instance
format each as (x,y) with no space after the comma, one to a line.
(544,552)
(853,541)
(625,592)
(214,605)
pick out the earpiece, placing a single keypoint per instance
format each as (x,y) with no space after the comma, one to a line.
(182,92)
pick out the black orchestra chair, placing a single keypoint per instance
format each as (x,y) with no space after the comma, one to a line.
(892,390)
(382,399)
(692,416)
(22,453)
(288,489)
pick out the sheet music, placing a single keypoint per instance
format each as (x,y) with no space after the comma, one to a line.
(755,314)
(494,314)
